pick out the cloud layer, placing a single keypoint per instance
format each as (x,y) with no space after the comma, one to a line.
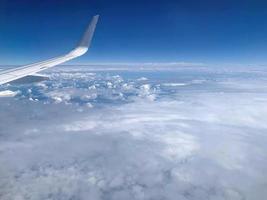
(135,135)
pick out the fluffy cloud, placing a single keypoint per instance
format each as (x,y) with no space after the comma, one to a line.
(203,140)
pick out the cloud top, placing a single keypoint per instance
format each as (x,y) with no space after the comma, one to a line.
(153,135)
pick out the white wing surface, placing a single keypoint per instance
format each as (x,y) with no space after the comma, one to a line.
(20,72)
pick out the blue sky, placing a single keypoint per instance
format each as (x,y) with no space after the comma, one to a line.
(213,32)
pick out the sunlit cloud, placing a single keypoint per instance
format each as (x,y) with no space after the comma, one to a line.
(126,136)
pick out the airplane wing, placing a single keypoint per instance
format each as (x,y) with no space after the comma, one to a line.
(20,72)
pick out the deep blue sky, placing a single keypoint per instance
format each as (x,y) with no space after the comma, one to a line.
(209,31)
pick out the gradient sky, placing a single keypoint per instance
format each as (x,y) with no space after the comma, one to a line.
(205,31)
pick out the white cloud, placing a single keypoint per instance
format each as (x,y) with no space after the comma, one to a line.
(8,93)
(207,141)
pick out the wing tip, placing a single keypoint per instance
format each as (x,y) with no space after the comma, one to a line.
(96,16)
(89,33)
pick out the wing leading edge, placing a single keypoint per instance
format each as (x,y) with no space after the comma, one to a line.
(17,73)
